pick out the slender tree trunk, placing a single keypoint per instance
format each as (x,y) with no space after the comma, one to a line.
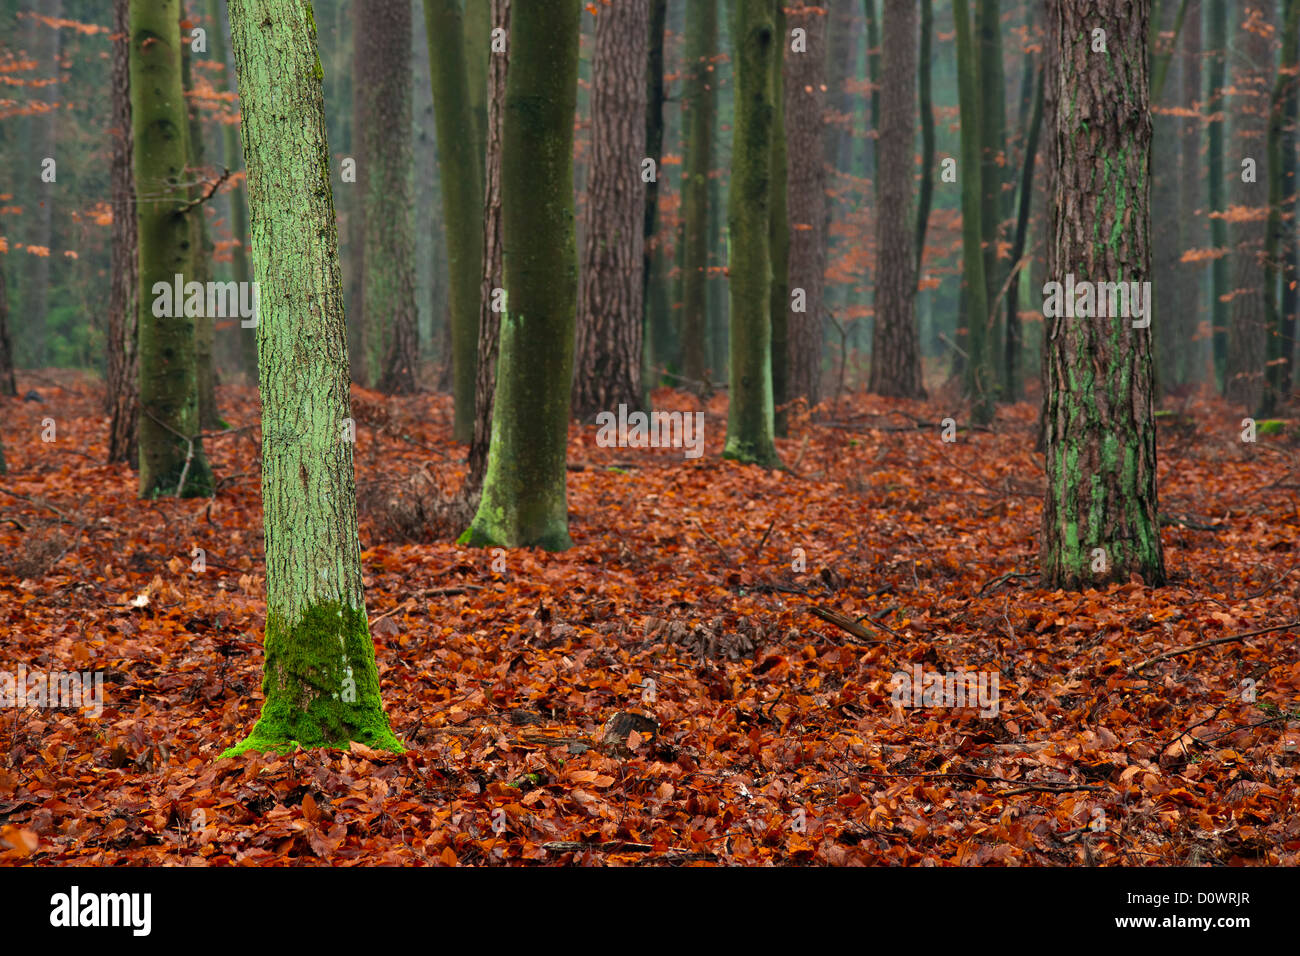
(697,107)
(359,346)
(460,164)
(7,384)
(320,682)
(1099,516)
(478,49)
(1051,97)
(1291,248)
(895,352)
(1249,329)
(1191,219)
(45,140)
(750,421)
(524,496)
(805,116)
(610,325)
(980,378)
(201,252)
(874,58)
(489,328)
(927,134)
(1216,174)
(386,122)
(122,375)
(993,147)
(654,144)
(1014,373)
(171,453)
(779,232)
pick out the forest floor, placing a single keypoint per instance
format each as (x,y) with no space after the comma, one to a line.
(692,597)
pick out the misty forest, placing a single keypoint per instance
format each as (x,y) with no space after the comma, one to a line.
(649,432)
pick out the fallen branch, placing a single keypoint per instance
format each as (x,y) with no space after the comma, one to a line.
(1204,644)
(849,625)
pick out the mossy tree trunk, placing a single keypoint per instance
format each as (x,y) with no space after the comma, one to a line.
(524,495)
(610,327)
(460,169)
(171,453)
(320,681)
(779,233)
(980,384)
(122,373)
(1099,516)
(386,124)
(805,120)
(895,351)
(757,51)
(698,104)
(489,328)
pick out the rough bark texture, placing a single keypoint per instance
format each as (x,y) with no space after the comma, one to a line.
(750,422)
(980,384)
(489,327)
(1248,327)
(608,355)
(320,682)
(1099,515)
(698,103)
(122,373)
(386,123)
(460,167)
(895,352)
(524,495)
(1279,356)
(778,231)
(171,455)
(805,121)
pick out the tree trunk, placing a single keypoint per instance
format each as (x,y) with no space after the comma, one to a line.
(7,384)
(1291,248)
(757,51)
(610,323)
(993,146)
(980,383)
(1248,330)
(489,328)
(895,352)
(385,126)
(654,147)
(1099,515)
(122,371)
(805,117)
(1216,173)
(1191,219)
(778,232)
(1014,372)
(927,133)
(698,101)
(45,140)
(201,251)
(462,197)
(320,682)
(524,498)
(478,50)
(171,454)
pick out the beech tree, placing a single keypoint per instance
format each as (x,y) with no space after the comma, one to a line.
(698,99)
(1099,515)
(524,501)
(121,372)
(320,682)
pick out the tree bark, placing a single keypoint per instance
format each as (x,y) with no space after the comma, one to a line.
(320,682)
(927,133)
(122,372)
(462,197)
(610,328)
(778,231)
(1191,219)
(805,116)
(1099,516)
(7,384)
(698,101)
(171,453)
(1014,372)
(385,125)
(750,422)
(524,496)
(654,146)
(895,353)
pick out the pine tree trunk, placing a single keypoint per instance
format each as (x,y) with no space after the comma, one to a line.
(460,166)
(757,52)
(171,455)
(980,379)
(524,496)
(778,232)
(895,352)
(698,102)
(1216,173)
(122,372)
(1099,515)
(609,334)
(201,252)
(386,122)
(1248,328)
(320,682)
(489,328)
(805,117)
